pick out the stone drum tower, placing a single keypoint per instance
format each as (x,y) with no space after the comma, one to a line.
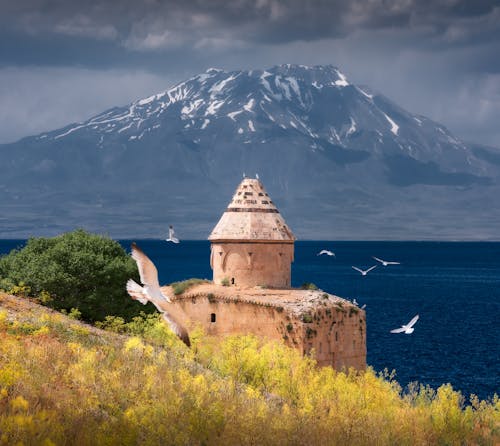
(251,244)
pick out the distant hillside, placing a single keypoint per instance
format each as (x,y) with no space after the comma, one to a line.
(64,382)
(341,162)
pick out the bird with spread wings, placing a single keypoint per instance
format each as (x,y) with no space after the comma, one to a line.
(364,272)
(151,292)
(386,262)
(327,252)
(408,328)
(171,235)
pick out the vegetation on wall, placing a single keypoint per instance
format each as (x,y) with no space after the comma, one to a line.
(180,287)
(309,286)
(74,270)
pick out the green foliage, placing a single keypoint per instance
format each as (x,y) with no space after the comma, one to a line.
(180,287)
(20,289)
(75,313)
(211,298)
(225,281)
(74,270)
(310,333)
(307,318)
(308,286)
(150,327)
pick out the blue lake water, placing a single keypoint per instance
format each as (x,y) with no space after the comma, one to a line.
(454,287)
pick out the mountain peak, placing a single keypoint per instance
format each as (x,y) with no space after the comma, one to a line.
(311,104)
(337,148)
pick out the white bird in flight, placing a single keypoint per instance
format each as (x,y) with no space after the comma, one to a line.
(171,235)
(408,328)
(385,262)
(366,271)
(325,251)
(151,292)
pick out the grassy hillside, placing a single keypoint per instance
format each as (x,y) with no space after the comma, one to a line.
(64,382)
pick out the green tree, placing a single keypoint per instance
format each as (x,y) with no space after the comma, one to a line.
(79,270)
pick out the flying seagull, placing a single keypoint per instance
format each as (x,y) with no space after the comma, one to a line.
(171,235)
(363,307)
(325,251)
(151,292)
(408,328)
(364,272)
(385,262)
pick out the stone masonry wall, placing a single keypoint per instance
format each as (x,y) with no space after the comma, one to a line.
(252,264)
(336,332)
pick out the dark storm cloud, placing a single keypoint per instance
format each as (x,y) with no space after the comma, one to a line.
(163,25)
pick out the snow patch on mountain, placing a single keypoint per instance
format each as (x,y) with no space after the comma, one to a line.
(233,115)
(342,82)
(249,105)
(219,86)
(394,126)
(352,128)
(363,92)
(213,107)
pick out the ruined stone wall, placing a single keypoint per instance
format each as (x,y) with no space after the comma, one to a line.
(337,334)
(252,264)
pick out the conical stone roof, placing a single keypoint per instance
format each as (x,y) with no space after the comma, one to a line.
(251,216)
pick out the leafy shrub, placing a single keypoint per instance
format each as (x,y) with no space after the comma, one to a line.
(76,270)
(180,287)
(225,281)
(150,327)
(74,313)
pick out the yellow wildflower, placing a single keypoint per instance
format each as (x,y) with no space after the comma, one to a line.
(19,403)
(134,343)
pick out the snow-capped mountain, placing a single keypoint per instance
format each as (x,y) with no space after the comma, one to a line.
(324,147)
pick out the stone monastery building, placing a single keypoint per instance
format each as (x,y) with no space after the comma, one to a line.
(252,250)
(251,244)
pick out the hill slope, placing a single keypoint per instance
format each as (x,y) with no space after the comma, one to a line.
(340,160)
(62,382)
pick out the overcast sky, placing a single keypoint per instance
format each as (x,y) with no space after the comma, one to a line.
(62,61)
